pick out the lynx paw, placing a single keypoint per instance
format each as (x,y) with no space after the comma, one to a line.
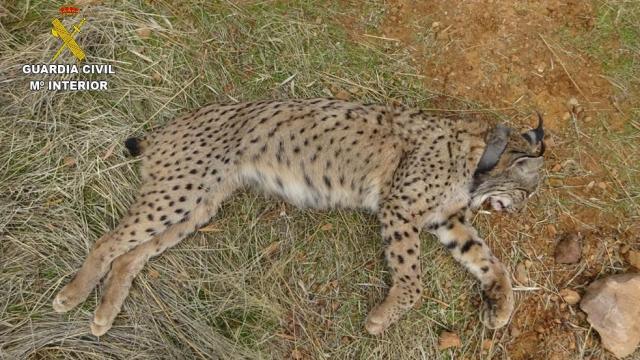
(377,321)
(99,330)
(498,304)
(382,316)
(67,299)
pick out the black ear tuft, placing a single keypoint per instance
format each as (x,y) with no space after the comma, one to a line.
(133,145)
(496,143)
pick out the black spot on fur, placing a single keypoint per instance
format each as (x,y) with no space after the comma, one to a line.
(468,245)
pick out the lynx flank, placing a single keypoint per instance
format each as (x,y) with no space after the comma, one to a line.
(415,170)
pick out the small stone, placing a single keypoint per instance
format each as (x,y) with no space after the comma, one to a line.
(634,259)
(557,167)
(566,116)
(343,95)
(571,297)
(515,331)
(551,229)
(602,185)
(69,161)
(326,227)
(613,308)
(568,250)
(555,182)
(624,248)
(539,329)
(271,249)
(448,340)
(144,33)
(487,344)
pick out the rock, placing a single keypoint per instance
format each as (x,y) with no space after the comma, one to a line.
(144,33)
(634,259)
(571,297)
(69,161)
(515,331)
(624,248)
(555,182)
(342,95)
(568,250)
(487,344)
(448,340)
(613,307)
(326,227)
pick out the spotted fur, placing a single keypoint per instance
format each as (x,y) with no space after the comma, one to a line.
(416,170)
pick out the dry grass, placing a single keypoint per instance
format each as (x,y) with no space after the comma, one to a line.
(265,280)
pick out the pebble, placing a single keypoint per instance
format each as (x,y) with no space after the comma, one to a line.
(634,259)
(449,340)
(571,297)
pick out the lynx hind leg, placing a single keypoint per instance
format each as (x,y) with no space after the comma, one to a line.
(470,250)
(157,208)
(126,267)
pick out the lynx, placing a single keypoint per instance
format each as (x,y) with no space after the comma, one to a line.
(417,171)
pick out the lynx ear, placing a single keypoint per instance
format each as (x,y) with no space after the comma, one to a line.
(496,143)
(528,165)
(536,136)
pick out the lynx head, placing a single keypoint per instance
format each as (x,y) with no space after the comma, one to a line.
(509,170)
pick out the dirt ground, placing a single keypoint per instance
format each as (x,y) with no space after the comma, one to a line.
(510,57)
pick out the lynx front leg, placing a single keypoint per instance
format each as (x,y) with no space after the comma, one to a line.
(472,252)
(402,254)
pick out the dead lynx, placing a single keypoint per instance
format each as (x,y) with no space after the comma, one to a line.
(415,170)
